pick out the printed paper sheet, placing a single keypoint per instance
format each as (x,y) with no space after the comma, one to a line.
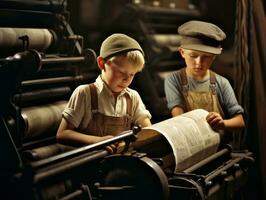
(190,137)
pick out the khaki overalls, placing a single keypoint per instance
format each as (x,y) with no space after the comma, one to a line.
(101,125)
(204,100)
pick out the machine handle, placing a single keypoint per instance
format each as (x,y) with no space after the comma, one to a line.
(126,135)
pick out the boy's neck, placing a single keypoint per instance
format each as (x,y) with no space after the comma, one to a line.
(115,94)
(198,77)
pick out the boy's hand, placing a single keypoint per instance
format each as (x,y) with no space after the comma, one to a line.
(111,148)
(216,121)
(117,147)
(120,146)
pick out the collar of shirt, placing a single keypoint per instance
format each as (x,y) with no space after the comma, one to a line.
(101,85)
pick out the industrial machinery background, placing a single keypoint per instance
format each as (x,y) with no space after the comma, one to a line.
(42,62)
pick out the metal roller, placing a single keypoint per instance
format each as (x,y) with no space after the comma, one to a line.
(50,93)
(19,39)
(45,151)
(44,5)
(42,120)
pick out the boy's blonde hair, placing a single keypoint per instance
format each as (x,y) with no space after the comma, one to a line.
(135,57)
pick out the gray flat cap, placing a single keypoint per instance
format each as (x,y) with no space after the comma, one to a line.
(201,36)
(118,43)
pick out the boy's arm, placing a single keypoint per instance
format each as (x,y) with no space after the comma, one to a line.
(235,122)
(145,121)
(217,122)
(177,111)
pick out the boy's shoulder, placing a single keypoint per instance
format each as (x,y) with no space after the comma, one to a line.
(174,76)
(220,78)
(85,88)
(132,93)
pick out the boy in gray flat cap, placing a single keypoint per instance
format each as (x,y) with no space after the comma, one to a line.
(196,86)
(107,107)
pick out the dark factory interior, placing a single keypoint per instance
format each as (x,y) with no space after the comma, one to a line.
(50,47)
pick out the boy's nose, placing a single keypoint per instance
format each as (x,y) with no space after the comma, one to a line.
(126,77)
(199,60)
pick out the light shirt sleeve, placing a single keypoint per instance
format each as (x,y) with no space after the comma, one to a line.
(78,108)
(227,97)
(139,109)
(173,91)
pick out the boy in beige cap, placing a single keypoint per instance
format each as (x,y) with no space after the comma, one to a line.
(196,86)
(101,110)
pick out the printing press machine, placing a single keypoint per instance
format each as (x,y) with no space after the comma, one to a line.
(42,61)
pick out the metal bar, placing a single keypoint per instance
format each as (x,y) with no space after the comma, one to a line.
(51,6)
(81,150)
(37,143)
(70,32)
(64,79)
(62,59)
(222,169)
(69,164)
(207,160)
(73,195)
(42,94)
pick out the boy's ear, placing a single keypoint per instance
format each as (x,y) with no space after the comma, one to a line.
(181,51)
(100,62)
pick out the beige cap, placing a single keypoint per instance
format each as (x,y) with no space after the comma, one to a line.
(118,43)
(201,36)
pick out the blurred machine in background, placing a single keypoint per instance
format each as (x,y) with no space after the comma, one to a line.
(42,61)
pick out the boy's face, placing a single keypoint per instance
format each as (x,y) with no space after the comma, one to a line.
(197,62)
(119,73)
